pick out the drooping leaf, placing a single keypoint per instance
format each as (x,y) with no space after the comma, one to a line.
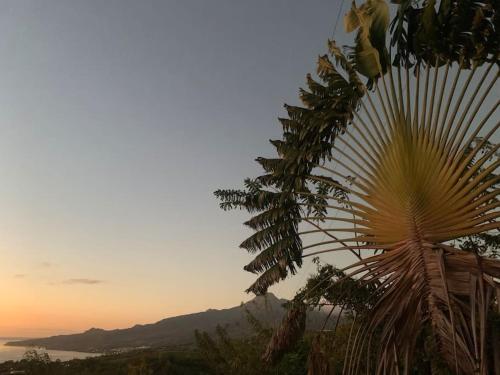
(371,20)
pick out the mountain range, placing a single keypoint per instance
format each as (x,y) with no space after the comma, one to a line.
(174,331)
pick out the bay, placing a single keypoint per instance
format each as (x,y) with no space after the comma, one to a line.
(16,353)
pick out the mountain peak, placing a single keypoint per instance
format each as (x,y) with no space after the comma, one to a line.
(267,300)
(94,330)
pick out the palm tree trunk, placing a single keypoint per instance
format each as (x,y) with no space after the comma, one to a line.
(495,344)
(496,353)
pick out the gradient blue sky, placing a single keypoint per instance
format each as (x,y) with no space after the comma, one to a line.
(118,120)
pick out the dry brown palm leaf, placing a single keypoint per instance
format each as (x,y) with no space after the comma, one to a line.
(317,363)
(289,332)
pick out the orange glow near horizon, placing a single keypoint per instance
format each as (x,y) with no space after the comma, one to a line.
(28,310)
(52,313)
(44,303)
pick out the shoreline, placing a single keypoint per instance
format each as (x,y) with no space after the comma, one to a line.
(35,347)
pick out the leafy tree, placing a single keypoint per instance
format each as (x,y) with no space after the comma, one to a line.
(243,356)
(35,362)
(400,172)
(151,361)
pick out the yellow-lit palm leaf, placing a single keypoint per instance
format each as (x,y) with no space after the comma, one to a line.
(420,180)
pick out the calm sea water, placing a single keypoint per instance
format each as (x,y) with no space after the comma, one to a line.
(15,353)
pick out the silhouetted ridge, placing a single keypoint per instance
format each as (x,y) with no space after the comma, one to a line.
(173,331)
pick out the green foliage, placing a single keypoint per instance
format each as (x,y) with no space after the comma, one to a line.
(484,244)
(463,31)
(288,192)
(243,356)
(141,362)
(331,286)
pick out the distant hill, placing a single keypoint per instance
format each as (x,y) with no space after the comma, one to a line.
(173,331)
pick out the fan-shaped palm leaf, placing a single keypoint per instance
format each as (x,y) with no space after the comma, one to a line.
(416,190)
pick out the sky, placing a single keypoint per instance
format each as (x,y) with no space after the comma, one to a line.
(118,120)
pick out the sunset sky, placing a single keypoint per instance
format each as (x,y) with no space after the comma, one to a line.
(118,120)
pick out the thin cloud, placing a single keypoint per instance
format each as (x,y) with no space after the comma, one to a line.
(19,276)
(83,281)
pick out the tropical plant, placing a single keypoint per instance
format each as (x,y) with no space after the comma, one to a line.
(399,171)
(227,355)
(346,297)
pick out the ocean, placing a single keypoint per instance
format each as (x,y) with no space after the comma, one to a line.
(15,353)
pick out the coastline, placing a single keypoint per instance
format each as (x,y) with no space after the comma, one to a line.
(44,348)
(11,350)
